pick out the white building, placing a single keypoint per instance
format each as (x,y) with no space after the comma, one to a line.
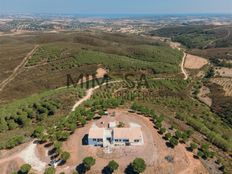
(115,136)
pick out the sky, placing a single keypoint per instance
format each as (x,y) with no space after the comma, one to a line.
(117,6)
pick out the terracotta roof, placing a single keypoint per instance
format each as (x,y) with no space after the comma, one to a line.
(128,133)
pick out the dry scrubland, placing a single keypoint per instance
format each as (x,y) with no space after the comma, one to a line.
(84,52)
(81,52)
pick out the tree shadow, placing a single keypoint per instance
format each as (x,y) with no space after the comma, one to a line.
(106,170)
(54,156)
(169,145)
(81,169)
(129,170)
(48,145)
(188,149)
(37,142)
(52,151)
(97,118)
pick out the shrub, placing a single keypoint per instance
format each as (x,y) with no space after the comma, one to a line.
(173,141)
(200,154)
(162,130)
(50,170)
(138,165)
(112,166)
(193,146)
(25,168)
(168,136)
(65,156)
(89,162)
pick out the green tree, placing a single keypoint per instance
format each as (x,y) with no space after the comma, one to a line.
(65,156)
(173,141)
(205,147)
(210,73)
(3,124)
(112,166)
(193,146)
(38,132)
(50,170)
(184,136)
(89,162)
(138,165)
(158,125)
(162,130)
(168,136)
(178,134)
(25,168)
(57,146)
(200,154)
(11,124)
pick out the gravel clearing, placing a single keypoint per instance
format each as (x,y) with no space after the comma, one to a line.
(30,157)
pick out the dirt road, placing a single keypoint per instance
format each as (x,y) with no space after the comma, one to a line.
(18,69)
(182,66)
(89,93)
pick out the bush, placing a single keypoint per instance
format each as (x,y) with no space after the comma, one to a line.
(89,162)
(173,141)
(168,136)
(14,142)
(193,146)
(112,166)
(138,165)
(50,170)
(38,132)
(65,156)
(25,168)
(162,130)
(200,154)
(178,134)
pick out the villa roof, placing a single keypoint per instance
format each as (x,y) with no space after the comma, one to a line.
(96,132)
(128,133)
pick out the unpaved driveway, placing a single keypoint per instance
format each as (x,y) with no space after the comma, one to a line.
(28,155)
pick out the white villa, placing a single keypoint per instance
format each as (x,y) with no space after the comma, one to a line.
(115,136)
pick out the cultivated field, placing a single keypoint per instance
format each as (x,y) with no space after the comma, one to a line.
(224,72)
(226,84)
(194,62)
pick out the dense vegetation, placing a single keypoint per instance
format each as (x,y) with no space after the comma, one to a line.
(211,42)
(221,104)
(161,59)
(33,110)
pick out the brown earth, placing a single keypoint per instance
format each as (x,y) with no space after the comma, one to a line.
(224,72)
(203,96)
(194,62)
(153,151)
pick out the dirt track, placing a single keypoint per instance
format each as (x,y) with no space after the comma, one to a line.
(18,69)
(182,67)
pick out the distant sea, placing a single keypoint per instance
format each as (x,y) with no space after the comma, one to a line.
(115,16)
